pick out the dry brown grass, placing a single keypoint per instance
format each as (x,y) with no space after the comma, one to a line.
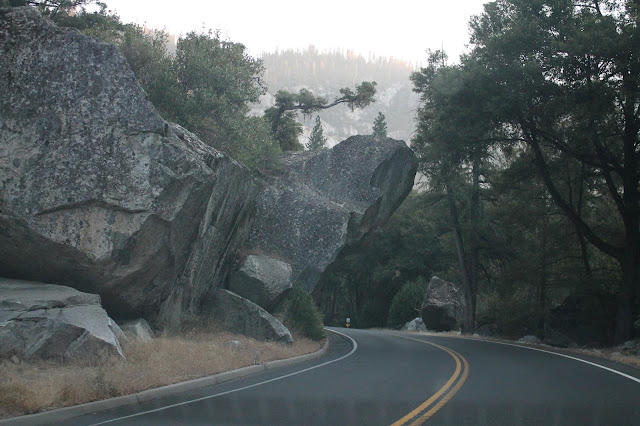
(29,387)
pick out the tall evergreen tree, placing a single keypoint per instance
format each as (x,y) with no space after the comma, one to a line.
(558,80)
(380,126)
(317,141)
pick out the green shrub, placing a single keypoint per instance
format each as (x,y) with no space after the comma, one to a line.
(406,304)
(301,314)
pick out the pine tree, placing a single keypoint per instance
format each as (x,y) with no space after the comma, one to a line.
(380,126)
(317,141)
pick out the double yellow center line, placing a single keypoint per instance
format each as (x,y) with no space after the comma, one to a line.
(431,406)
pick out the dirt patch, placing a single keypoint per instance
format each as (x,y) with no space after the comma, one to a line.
(32,386)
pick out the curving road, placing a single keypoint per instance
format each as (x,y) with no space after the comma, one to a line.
(377,377)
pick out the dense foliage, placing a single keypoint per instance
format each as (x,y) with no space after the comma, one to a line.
(530,148)
(407,302)
(301,314)
(553,83)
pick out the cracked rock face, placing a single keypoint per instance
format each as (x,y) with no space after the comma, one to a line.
(328,200)
(99,193)
(49,321)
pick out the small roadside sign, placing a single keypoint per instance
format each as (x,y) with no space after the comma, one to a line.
(348,322)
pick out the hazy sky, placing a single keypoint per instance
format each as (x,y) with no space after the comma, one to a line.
(400,28)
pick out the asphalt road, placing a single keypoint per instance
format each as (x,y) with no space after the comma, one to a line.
(406,378)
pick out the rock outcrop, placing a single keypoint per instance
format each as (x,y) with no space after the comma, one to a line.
(328,200)
(50,321)
(262,280)
(97,191)
(443,306)
(240,315)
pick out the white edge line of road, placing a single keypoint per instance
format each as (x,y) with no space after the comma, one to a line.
(355,347)
(611,370)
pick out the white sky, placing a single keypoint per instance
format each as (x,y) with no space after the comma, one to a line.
(399,28)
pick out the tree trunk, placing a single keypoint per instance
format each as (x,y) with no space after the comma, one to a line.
(630,211)
(475,216)
(629,254)
(542,284)
(584,253)
(469,301)
(627,298)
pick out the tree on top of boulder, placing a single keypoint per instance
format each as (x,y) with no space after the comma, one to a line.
(317,141)
(380,126)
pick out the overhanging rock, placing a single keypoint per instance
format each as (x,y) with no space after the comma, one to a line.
(328,200)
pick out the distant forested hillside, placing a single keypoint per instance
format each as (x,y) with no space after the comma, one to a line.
(325,73)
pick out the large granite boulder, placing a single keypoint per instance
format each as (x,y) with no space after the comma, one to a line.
(415,324)
(325,201)
(50,321)
(442,306)
(97,191)
(262,280)
(240,315)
